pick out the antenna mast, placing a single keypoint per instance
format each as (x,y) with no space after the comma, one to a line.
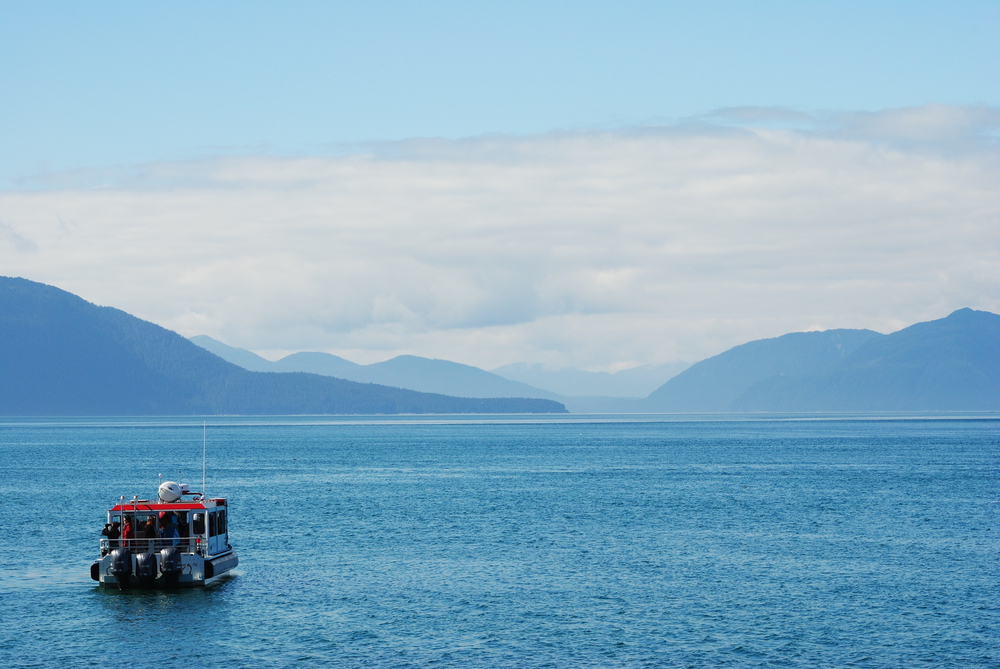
(204,446)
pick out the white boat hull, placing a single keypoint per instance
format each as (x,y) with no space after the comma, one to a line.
(196,571)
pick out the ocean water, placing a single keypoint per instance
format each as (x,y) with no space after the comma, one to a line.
(579,541)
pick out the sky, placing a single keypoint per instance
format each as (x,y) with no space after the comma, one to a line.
(582,184)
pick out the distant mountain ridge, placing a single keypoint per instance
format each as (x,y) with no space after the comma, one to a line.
(590,391)
(414,373)
(61,355)
(404,371)
(950,364)
(947,364)
(635,382)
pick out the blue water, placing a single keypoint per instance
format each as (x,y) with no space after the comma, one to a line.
(526,542)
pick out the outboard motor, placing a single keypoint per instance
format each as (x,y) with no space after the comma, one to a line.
(145,569)
(170,565)
(121,567)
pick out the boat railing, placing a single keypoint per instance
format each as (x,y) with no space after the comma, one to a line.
(195,545)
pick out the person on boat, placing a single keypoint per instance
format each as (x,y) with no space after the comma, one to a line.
(128,532)
(112,531)
(168,528)
(149,528)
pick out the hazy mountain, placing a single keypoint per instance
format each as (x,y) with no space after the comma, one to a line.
(415,373)
(568,382)
(948,364)
(246,359)
(61,355)
(717,383)
(404,371)
(326,364)
(444,376)
(951,364)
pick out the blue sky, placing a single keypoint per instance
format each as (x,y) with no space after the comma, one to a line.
(575,184)
(96,84)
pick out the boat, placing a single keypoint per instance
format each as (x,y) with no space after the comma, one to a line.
(181,540)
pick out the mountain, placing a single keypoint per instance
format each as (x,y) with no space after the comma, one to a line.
(61,355)
(415,373)
(410,371)
(326,364)
(717,383)
(568,382)
(240,357)
(951,364)
(948,364)
(404,371)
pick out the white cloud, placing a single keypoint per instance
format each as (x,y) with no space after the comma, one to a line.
(15,240)
(598,250)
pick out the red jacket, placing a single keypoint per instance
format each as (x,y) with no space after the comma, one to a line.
(128,533)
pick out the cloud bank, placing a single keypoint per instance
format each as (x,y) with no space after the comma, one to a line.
(601,250)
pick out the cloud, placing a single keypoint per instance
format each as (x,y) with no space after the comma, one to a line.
(15,240)
(594,249)
(939,125)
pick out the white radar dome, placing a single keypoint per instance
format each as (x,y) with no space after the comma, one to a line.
(169,492)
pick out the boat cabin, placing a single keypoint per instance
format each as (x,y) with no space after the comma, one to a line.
(201,526)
